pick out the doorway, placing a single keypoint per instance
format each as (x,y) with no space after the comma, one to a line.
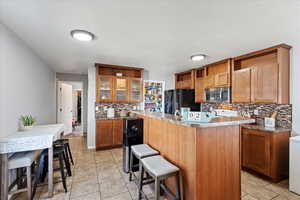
(70,106)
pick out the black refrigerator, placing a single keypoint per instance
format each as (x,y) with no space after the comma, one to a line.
(175,99)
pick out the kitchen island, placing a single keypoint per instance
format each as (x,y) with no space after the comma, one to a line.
(208,154)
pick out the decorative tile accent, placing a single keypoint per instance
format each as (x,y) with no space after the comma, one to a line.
(283,119)
(117,106)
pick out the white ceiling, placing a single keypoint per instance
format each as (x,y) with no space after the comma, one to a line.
(158,35)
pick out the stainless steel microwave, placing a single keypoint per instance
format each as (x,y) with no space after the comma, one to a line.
(221,94)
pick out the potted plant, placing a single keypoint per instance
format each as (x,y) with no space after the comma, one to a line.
(27,121)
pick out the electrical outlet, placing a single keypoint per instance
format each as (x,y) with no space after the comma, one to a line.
(255,112)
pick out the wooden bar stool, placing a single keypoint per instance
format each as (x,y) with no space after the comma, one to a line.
(159,169)
(140,151)
(23,160)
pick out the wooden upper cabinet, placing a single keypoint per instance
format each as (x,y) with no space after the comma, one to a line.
(185,80)
(121,89)
(209,82)
(199,85)
(135,90)
(104,133)
(268,70)
(222,79)
(199,90)
(118,83)
(218,74)
(241,86)
(264,81)
(105,88)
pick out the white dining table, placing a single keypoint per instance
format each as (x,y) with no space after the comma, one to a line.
(37,138)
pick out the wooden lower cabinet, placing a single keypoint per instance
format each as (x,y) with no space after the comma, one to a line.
(109,133)
(117,132)
(256,150)
(266,153)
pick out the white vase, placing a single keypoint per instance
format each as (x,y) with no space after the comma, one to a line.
(27,128)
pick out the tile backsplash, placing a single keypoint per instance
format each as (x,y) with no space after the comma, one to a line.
(100,108)
(283,119)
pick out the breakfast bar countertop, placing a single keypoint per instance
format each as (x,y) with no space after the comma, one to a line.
(218,121)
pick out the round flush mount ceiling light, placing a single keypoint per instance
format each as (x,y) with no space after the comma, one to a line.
(82,35)
(198,57)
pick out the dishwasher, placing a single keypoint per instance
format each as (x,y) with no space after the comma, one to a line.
(294,182)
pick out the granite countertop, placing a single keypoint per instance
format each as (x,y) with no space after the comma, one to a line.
(262,128)
(218,121)
(111,118)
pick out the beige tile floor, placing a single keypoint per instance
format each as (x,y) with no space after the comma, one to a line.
(98,175)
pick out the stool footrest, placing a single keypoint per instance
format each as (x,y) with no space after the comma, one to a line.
(168,191)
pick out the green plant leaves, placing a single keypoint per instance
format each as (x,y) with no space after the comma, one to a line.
(27,120)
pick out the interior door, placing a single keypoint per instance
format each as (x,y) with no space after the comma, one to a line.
(241,84)
(264,80)
(65,106)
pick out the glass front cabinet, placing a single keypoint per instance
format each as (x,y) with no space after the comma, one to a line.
(105,89)
(118,84)
(136,90)
(121,89)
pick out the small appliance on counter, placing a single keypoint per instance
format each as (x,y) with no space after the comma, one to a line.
(110,112)
(270,122)
(123,113)
(184,113)
(132,135)
(176,99)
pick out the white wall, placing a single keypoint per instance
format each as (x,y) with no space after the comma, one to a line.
(75,78)
(91,108)
(295,83)
(27,84)
(158,75)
